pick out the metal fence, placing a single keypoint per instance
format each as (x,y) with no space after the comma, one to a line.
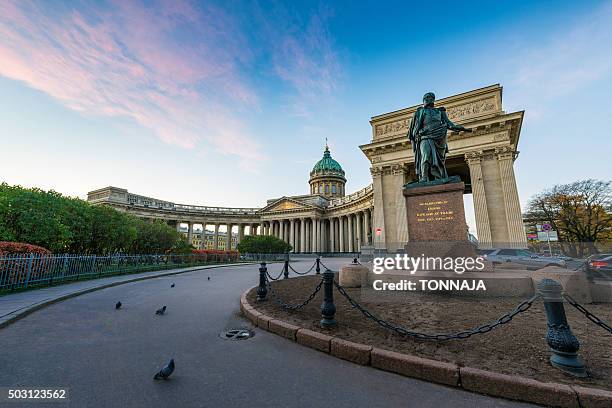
(24,271)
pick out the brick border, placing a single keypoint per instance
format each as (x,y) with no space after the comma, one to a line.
(471,379)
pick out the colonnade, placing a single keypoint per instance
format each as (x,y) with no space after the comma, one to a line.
(341,233)
(229,243)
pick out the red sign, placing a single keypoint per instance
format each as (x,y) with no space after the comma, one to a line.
(378,231)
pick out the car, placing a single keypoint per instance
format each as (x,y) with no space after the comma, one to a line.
(523,257)
(599,266)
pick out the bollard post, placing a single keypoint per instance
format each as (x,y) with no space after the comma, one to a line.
(328,309)
(262,291)
(286,272)
(355,261)
(562,342)
(318,268)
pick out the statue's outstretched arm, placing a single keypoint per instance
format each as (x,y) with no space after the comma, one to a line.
(452,125)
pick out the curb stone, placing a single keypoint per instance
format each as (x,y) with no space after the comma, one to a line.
(471,379)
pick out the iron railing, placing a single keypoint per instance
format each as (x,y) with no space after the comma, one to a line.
(22,271)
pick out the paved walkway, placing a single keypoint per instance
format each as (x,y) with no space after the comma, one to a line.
(19,304)
(106,357)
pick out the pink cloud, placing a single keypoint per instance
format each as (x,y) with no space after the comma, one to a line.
(172,68)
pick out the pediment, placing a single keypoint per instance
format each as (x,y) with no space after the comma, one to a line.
(285,204)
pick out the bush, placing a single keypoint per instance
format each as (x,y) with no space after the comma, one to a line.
(10,248)
(263,244)
(71,225)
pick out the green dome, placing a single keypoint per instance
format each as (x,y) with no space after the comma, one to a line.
(327,165)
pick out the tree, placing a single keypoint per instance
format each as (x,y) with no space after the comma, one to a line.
(263,244)
(71,225)
(581,212)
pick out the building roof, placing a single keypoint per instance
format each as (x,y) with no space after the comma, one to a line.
(327,165)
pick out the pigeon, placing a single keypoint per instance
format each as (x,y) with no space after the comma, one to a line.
(165,372)
(161,311)
(209,278)
(118,305)
(172,285)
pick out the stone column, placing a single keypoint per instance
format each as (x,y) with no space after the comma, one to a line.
(359,236)
(178,226)
(203,240)
(321,236)
(514,218)
(240,232)
(292,233)
(314,235)
(216,237)
(365,227)
(401,218)
(483,227)
(228,237)
(190,232)
(341,233)
(379,212)
(351,237)
(303,235)
(281,227)
(332,235)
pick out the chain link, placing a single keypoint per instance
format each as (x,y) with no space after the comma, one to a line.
(287,306)
(520,308)
(303,273)
(277,278)
(323,265)
(588,314)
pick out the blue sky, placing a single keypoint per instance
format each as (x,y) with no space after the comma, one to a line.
(229,103)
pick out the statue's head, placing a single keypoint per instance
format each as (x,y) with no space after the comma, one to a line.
(428,99)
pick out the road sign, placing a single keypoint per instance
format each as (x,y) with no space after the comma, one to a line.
(378,231)
(546,227)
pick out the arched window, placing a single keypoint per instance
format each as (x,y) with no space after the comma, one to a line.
(333,189)
(327,189)
(320,188)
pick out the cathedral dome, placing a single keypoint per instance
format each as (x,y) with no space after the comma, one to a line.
(327,165)
(327,177)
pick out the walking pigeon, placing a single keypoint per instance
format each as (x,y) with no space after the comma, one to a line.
(161,311)
(209,278)
(118,305)
(165,372)
(172,285)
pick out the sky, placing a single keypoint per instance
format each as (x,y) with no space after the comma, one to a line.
(229,103)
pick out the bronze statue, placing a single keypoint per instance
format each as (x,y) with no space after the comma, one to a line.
(428,136)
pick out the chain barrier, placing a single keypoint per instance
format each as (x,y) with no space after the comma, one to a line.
(588,314)
(291,307)
(303,273)
(323,265)
(520,308)
(277,278)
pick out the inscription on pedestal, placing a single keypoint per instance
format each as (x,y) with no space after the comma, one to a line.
(432,211)
(435,213)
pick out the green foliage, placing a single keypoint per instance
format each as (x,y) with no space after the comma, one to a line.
(71,225)
(263,244)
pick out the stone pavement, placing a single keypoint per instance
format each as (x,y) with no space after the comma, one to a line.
(19,304)
(106,357)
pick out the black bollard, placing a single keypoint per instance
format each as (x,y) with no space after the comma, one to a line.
(328,309)
(262,290)
(286,272)
(562,342)
(318,268)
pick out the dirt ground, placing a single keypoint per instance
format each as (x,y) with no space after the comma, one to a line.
(518,347)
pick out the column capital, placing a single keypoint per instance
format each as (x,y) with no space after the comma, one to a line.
(506,152)
(474,157)
(376,171)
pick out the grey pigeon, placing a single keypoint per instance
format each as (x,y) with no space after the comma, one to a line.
(172,285)
(165,372)
(209,278)
(161,311)
(118,305)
